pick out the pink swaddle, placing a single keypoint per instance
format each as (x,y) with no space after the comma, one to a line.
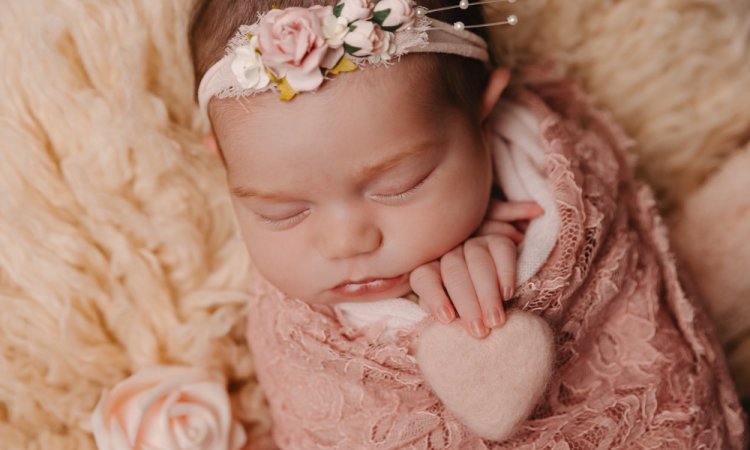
(635,363)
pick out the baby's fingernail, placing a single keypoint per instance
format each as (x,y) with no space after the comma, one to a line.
(508,293)
(445,314)
(495,318)
(477,328)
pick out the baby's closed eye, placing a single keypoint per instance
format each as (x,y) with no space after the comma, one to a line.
(400,193)
(401,182)
(281,215)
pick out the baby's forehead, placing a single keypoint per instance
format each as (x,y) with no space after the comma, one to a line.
(352,121)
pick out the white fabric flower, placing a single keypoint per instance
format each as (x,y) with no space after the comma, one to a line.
(334,29)
(248,66)
(353,10)
(364,38)
(401,13)
(174,408)
(387,45)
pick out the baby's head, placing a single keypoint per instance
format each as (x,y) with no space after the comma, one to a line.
(340,193)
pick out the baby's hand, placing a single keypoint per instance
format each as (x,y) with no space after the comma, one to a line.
(509,219)
(470,278)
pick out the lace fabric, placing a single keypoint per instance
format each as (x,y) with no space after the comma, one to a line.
(637,363)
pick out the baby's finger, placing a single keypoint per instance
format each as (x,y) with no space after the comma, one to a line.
(503,228)
(513,211)
(425,281)
(460,289)
(503,252)
(484,276)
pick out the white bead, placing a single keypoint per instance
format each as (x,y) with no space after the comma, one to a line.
(458,26)
(463,4)
(512,20)
(421,11)
(409,28)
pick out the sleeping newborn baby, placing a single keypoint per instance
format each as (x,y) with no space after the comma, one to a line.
(374,190)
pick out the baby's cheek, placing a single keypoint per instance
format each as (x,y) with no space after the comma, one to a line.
(276,259)
(465,206)
(280,264)
(438,230)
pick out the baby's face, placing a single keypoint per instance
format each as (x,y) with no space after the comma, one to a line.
(341,193)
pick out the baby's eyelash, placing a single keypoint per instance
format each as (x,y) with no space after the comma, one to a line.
(283,222)
(402,195)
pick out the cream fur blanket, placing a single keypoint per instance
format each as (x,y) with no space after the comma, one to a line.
(117,248)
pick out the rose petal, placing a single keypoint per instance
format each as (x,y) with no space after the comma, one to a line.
(304,81)
(314,59)
(169,408)
(185,417)
(333,55)
(237,437)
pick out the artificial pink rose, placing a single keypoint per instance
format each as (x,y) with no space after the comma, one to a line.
(353,10)
(174,408)
(293,45)
(366,38)
(400,14)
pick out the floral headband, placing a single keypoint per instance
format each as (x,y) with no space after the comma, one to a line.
(295,49)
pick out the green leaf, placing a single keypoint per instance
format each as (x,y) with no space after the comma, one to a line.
(392,28)
(337,9)
(351,49)
(379,16)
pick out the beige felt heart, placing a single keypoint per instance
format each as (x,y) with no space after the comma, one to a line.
(490,384)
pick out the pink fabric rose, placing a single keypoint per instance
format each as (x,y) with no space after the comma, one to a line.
(366,38)
(293,45)
(400,14)
(169,408)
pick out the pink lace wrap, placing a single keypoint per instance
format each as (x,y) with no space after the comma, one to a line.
(637,363)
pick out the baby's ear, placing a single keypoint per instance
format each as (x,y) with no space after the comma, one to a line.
(496,84)
(209,141)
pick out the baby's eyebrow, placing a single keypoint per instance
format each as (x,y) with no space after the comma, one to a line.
(362,174)
(246,192)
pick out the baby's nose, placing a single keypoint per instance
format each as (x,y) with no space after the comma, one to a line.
(349,238)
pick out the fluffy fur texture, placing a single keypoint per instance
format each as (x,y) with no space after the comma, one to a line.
(675,74)
(117,248)
(711,232)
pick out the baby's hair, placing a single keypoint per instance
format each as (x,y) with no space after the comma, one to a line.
(461,80)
